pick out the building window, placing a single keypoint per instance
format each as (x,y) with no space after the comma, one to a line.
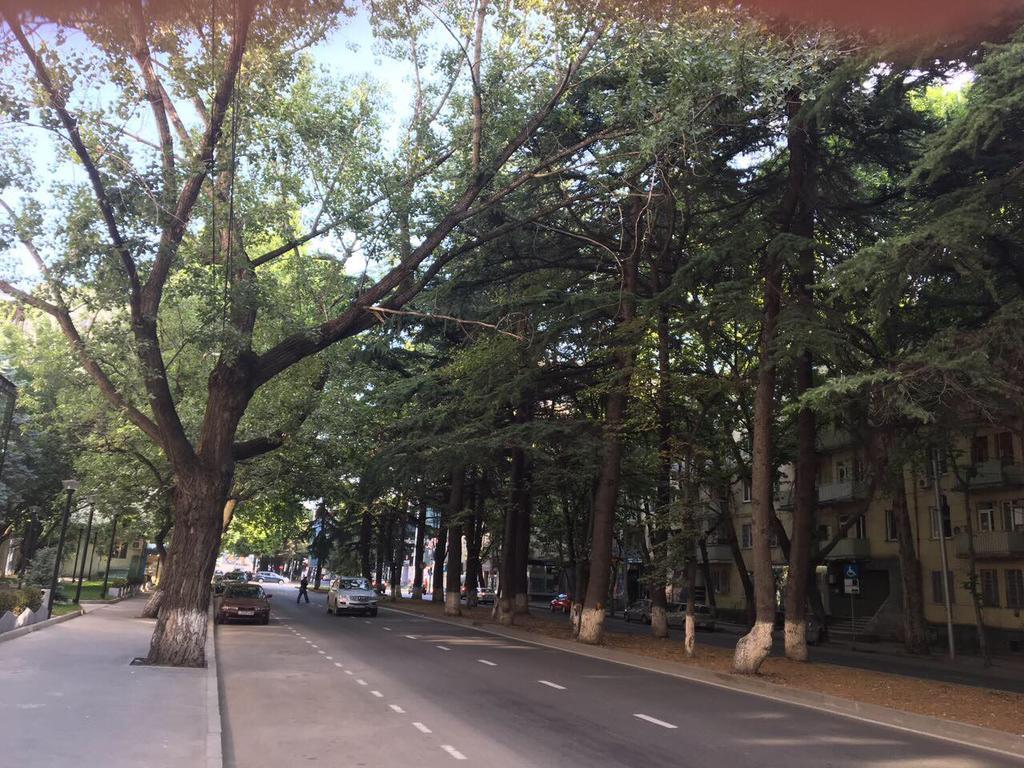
(120,550)
(720,579)
(947,528)
(747,490)
(989,588)
(747,535)
(979,449)
(986,517)
(1004,447)
(841,474)
(1014,588)
(890,525)
(824,533)
(937,596)
(856,530)
(1013,515)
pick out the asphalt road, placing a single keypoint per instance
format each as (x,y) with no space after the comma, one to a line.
(1000,676)
(399,690)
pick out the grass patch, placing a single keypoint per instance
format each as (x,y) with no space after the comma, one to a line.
(64,609)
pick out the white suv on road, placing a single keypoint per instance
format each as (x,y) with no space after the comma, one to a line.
(351,594)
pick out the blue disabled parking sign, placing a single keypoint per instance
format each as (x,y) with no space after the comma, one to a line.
(851,571)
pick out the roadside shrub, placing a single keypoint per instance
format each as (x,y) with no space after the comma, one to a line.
(17,600)
(40,570)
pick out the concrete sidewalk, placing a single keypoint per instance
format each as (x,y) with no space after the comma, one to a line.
(71,698)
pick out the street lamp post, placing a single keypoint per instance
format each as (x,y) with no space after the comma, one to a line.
(939,513)
(81,570)
(69,486)
(110,555)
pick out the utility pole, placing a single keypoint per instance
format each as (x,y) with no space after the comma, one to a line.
(941,524)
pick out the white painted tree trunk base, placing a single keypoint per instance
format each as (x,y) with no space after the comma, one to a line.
(451,604)
(796,640)
(575,611)
(182,643)
(522,604)
(659,621)
(592,626)
(753,648)
(690,637)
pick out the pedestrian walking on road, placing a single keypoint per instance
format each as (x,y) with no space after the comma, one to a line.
(302,590)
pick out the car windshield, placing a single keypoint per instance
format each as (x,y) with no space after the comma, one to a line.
(244,591)
(354,584)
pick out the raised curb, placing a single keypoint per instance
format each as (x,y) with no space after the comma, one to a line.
(946,730)
(214,734)
(16,633)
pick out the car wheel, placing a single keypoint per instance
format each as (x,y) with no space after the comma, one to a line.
(646,620)
(265,620)
(373,612)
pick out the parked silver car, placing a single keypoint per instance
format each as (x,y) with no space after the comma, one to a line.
(675,614)
(351,594)
(269,576)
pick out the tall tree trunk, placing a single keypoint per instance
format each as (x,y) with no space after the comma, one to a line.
(440,551)
(729,529)
(521,582)
(398,557)
(570,546)
(198,500)
(705,567)
(382,526)
(663,490)
(690,635)
(972,574)
(754,647)
(803,160)
(915,630)
(421,535)
(591,628)
(474,540)
(152,607)
(365,539)
(451,600)
(509,542)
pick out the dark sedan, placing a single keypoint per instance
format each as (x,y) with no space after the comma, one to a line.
(243,602)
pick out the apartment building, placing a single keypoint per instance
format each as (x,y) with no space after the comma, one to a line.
(986,483)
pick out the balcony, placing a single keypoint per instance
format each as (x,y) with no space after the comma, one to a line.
(850,549)
(994,474)
(842,490)
(992,544)
(719,553)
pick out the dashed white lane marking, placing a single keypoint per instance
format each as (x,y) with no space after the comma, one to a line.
(444,647)
(453,751)
(329,658)
(397,709)
(337,663)
(549,684)
(488,663)
(387,629)
(361,681)
(655,720)
(411,637)
(322,653)
(309,642)
(315,646)
(422,728)
(366,621)
(378,694)
(348,672)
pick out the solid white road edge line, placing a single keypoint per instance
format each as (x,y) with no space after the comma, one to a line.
(422,728)
(549,684)
(655,720)
(453,751)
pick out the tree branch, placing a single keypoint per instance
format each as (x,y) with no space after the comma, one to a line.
(59,105)
(154,91)
(250,449)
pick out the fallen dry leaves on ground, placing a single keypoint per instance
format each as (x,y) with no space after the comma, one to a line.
(984,707)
